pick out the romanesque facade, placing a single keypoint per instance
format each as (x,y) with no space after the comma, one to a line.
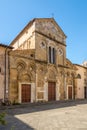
(38,67)
(39,70)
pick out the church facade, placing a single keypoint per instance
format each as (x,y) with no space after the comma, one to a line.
(38,67)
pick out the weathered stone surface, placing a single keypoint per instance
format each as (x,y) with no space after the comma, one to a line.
(32,66)
(29,63)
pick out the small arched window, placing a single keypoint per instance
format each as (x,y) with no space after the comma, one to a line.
(49,54)
(53,55)
(42,45)
(78,76)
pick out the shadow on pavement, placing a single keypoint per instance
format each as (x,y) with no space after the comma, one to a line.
(15,124)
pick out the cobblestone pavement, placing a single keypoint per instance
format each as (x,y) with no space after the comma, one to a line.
(54,116)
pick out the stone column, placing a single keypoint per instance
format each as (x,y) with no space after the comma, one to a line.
(57,89)
(65,86)
(45,89)
(33,92)
(36,86)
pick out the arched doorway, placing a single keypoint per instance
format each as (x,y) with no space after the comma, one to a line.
(70,92)
(25,93)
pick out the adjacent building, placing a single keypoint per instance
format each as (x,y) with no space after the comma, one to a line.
(4,70)
(81,81)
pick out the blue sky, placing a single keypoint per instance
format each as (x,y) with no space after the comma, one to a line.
(71,15)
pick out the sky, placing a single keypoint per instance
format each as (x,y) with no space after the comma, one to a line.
(71,16)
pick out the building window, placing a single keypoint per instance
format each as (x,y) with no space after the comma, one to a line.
(28,44)
(79,76)
(85,81)
(42,45)
(60,56)
(51,55)
(60,51)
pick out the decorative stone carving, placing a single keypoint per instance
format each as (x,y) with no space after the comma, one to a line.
(69,82)
(21,66)
(25,77)
(31,66)
(51,74)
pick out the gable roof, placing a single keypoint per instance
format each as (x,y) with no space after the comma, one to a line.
(67,60)
(59,27)
(27,26)
(71,65)
(80,66)
(31,23)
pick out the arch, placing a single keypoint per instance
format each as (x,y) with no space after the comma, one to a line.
(78,76)
(20,65)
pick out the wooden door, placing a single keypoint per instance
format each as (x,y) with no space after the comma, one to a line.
(85,92)
(69,92)
(51,91)
(26,93)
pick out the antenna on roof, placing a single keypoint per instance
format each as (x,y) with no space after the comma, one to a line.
(52,15)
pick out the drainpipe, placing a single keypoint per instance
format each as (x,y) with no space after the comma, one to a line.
(9,71)
(5,77)
(5,74)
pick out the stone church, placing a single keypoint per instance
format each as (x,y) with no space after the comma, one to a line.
(38,67)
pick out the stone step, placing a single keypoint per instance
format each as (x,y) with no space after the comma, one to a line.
(60,103)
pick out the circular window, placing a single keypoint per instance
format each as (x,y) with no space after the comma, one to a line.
(60,51)
(42,45)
